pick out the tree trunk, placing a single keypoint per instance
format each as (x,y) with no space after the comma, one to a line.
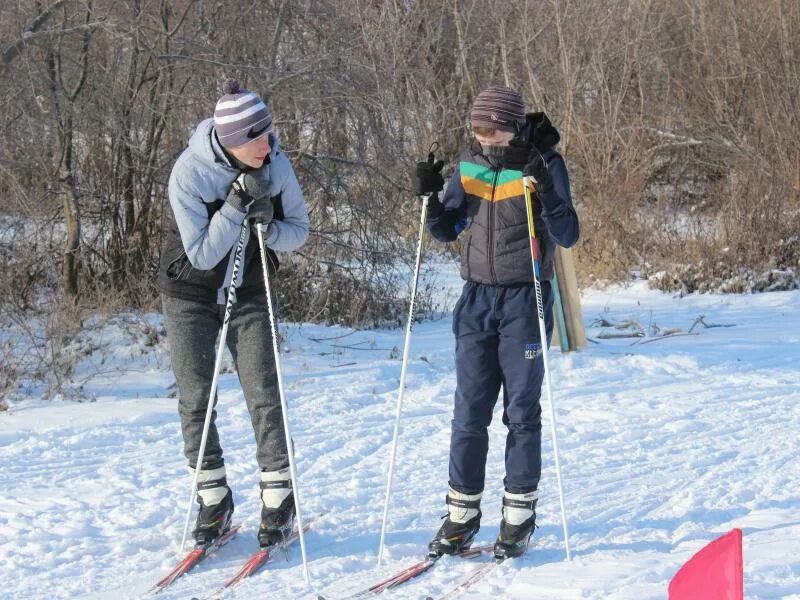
(70,259)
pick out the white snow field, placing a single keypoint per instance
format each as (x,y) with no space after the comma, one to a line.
(664,446)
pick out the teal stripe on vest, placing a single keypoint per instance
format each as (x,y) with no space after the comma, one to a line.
(487,174)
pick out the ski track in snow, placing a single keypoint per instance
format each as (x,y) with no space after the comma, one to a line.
(664,446)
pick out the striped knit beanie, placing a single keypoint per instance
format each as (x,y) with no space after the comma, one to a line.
(240,116)
(498,107)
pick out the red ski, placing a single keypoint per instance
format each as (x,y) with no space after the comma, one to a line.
(411,572)
(191,559)
(260,557)
(476,576)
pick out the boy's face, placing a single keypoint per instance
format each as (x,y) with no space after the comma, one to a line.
(488,136)
(254,153)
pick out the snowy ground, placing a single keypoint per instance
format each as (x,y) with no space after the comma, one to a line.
(665,445)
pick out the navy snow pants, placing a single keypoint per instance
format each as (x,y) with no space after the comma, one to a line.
(497,345)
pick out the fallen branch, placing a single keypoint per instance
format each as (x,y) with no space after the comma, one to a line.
(638,330)
(613,336)
(701,321)
(663,337)
(334,337)
(355,346)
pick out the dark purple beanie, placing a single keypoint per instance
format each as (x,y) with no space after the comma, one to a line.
(240,116)
(498,107)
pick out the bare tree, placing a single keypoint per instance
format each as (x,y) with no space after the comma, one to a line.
(679,121)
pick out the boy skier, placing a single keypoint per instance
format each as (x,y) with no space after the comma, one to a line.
(233,169)
(495,321)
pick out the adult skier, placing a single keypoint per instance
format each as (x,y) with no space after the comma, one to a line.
(233,169)
(495,321)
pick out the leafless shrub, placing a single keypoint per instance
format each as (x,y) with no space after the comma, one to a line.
(679,121)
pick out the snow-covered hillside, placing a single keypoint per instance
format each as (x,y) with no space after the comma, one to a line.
(665,445)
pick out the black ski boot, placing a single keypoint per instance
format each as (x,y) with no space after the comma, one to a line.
(459,528)
(517,525)
(213,520)
(277,510)
(276,523)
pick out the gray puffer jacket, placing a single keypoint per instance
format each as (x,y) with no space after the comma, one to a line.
(196,256)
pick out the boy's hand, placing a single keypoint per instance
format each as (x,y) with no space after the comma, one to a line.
(537,170)
(427,177)
(517,153)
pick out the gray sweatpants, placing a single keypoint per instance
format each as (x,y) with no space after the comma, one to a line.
(192,331)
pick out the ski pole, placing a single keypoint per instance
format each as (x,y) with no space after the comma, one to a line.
(406,348)
(278,374)
(535,260)
(237,259)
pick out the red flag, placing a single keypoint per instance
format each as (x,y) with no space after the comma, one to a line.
(714,573)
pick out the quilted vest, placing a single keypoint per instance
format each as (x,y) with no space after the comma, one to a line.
(495,247)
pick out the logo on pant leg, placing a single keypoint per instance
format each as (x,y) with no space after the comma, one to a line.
(532,350)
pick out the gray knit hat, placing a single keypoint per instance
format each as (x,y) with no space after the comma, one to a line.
(498,107)
(240,116)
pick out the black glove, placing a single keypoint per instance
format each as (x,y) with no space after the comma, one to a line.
(245,190)
(517,153)
(536,168)
(238,198)
(252,185)
(427,177)
(262,211)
